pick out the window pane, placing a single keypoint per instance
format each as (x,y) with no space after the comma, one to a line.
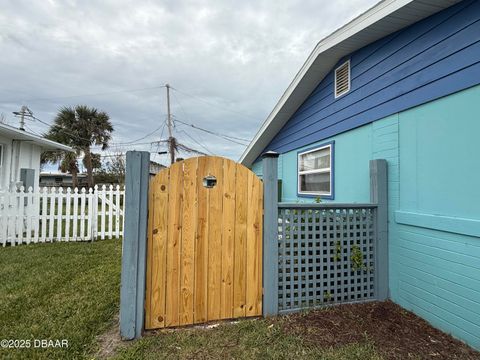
(315,160)
(315,182)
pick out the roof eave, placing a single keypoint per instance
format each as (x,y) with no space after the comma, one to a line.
(327,53)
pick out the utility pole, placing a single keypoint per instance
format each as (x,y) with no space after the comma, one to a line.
(171,139)
(23,110)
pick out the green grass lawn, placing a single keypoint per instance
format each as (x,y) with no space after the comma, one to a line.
(58,291)
(245,339)
(71,291)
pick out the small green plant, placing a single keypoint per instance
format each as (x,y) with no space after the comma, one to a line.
(318,199)
(357,259)
(327,296)
(338,251)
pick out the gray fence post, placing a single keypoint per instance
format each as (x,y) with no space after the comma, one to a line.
(270,234)
(132,292)
(379,196)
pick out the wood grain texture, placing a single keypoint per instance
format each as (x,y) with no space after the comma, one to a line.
(198,243)
(159,247)
(175,208)
(215,203)
(201,246)
(187,274)
(228,239)
(254,237)
(240,260)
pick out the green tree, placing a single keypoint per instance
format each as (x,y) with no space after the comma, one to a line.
(112,171)
(81,127)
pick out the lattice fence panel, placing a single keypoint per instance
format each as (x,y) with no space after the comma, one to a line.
(326,256)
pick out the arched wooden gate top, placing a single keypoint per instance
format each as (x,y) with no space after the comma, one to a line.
(204,255)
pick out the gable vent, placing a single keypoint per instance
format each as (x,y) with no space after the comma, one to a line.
(342,79)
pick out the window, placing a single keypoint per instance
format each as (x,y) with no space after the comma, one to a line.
(315,171)
(342,79)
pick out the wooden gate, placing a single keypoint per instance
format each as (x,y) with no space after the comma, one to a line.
(204,250)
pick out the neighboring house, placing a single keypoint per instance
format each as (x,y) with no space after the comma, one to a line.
(48,179)
(400,82)
(155,168)
(21,150)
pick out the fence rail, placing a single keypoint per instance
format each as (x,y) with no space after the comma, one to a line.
(58,214)
(326,254)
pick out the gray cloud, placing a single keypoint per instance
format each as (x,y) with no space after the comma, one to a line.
(233,58)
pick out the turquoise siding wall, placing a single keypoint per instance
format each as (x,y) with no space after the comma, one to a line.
(435,241)
(433,154)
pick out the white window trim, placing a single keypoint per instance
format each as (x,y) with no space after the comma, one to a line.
(335,80)
(319,171)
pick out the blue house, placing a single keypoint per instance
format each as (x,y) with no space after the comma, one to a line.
(400,82)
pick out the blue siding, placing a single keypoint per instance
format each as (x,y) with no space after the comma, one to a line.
(431,59)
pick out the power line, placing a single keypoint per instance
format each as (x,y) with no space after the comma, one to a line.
(144,137)
(223,136)
(197,142)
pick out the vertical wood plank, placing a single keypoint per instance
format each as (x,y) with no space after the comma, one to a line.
(3,218)
(228,238)
(51,214)
(28,213)
(102,219)
(75,214)
(215,197)
(44,213)
(159,248)
(201,245)
(82,213)
(175,206)
(67,213)
(90,232)
(240,260)
(254,220)
(110,211)
(117,212)
(59,214)
(187,275)
(150,254)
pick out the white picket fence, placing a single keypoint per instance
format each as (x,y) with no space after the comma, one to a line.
(58,214)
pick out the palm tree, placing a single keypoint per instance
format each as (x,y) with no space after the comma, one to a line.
(68,162)
(81,127)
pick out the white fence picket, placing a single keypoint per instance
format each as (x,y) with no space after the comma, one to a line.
(57,214)
(36,215)
(68,199)
(44,214)
(117,211)
(51,218)
(103,211)
(3,218)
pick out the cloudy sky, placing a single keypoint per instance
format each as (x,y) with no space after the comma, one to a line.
(227,61)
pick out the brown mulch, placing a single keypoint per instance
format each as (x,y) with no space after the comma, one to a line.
(395,332)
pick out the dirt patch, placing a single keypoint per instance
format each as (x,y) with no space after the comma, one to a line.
(395,332)
(109,341)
